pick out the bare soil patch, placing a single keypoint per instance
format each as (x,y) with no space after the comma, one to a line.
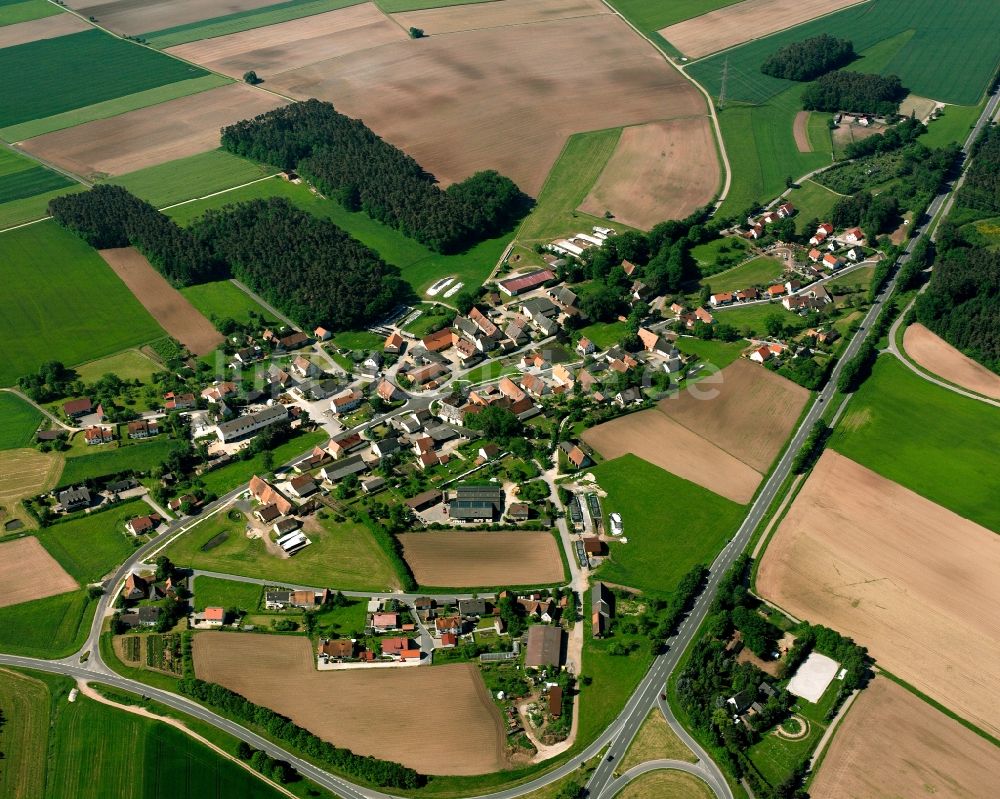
(845,134)
(891,743)
(143,16)
(905,577)
(436,719)
(459,559)
(290,45)
(658,439)
(750,416)
(662,170)
(938,356)
(36,29)
(921,107)
(165,303)
(751,19)
(451,19)
(801,132)
(28,571)
(150,136)
(503,98)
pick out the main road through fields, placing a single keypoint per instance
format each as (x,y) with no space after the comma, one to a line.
(617,736)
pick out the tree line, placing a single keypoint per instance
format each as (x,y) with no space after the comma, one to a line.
(981,189)
(809,58)
(348,162)
(382,773)
(842,90)
(306,266)
(110,216)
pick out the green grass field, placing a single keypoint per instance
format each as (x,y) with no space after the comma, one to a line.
(708,254)
(54,627)
(812,200)
(242,21)
(128,365)
(90,546)
(918,434)
(419,266)
(62,302)
(718,353)
(358,340)
(776,758)
(755,317)
(188,178)
(222,299)
(395,6)
(68,72)
(31,209)
(950,56)
(105,459)
(651,15)
(671,524)
(215,592)
(342,555)
(759,272)
(18,422)
(572,176)
(21,178)
(954,125)
(110,108)
(219,481)
(983,233)
(604,335)
(24,736)
(14,11)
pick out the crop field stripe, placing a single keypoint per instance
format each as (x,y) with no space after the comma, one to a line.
(18,421)
(31,182)
(51,628)
(78,70)
(651,15)
(242,21)
(951,56)
(14,11)
(110,108)
(25,704)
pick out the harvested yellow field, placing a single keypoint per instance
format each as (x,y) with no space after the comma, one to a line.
(938,356)
(476,16)
(28,571)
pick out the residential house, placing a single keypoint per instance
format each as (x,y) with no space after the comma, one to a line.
(534,385)
(534,360)
(178,402)
(546,647)
(78,407)
(99,435)
(322,334)
(373,485)
(585,346)
(313,460)
(514,286)
(383,622)
(855,254)
(628,267)
(786,210)
(387,391)
(722,298)
(791,286)
(484,324)
(338,648)
(562,296)
(426,374)
(220,391)
(516,331)
(518,512)
(212,617)
(267,494)
(538,308)
(293,341)
(135,588)
(277,600)
(628,396)
(249,424)
(246,356)
(468,351)
(385,447)
(143,428)
(676,308)
(747,295)
(576,456)
(641,292)
(563,376)
(815,255)
(267,513)
(340,469)
(477,608)
(146,616)
(346,402)
(761,354)
(775,291)
(831,261)
(393,343)
(448,641)
(448,624)
(303,367)
(854,235)
(142,524)
(177,504)
(340,446)
(602,608)
(401,648)
(704,316)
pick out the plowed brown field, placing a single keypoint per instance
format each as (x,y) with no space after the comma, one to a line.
(459,559)
(475,16)
(45,28)
(801,131)
(662,170)
(658,439)
(938,356)
(290,45)
(165,303)
(909,579)
(153,135)
(144,16)
(28,571)
(436,719)
(750,414)
(503,98)
(893,744)
(751,19)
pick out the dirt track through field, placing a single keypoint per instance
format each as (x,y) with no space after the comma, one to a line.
(503,98)
(476,16)
(801,131)
(658,439)
(150,136)
(658,171)
(751,19)
(145,16)
(459,559)
(436,719)
(892,743)
(290,45)
(28,571)
(909,579)
(165,304)
(938,356)
(36,29)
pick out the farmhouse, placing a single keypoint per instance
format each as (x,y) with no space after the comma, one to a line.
(302,486)
(514,286)
(472,503)
(338,447)
(545,647)
(575,455)
(425,374)
(266,494)
(436,342)
(343,468)
(393,343)
(247,425)
(78,407)
(387,391)
(303,367)
(427,499)
(338,648)
(146,616)
(212,617)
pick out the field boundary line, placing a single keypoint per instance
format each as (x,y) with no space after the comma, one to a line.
(89,691)
(778,515)
(217,193)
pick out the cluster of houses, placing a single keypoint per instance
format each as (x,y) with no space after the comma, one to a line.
(849,244)
(758,227)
